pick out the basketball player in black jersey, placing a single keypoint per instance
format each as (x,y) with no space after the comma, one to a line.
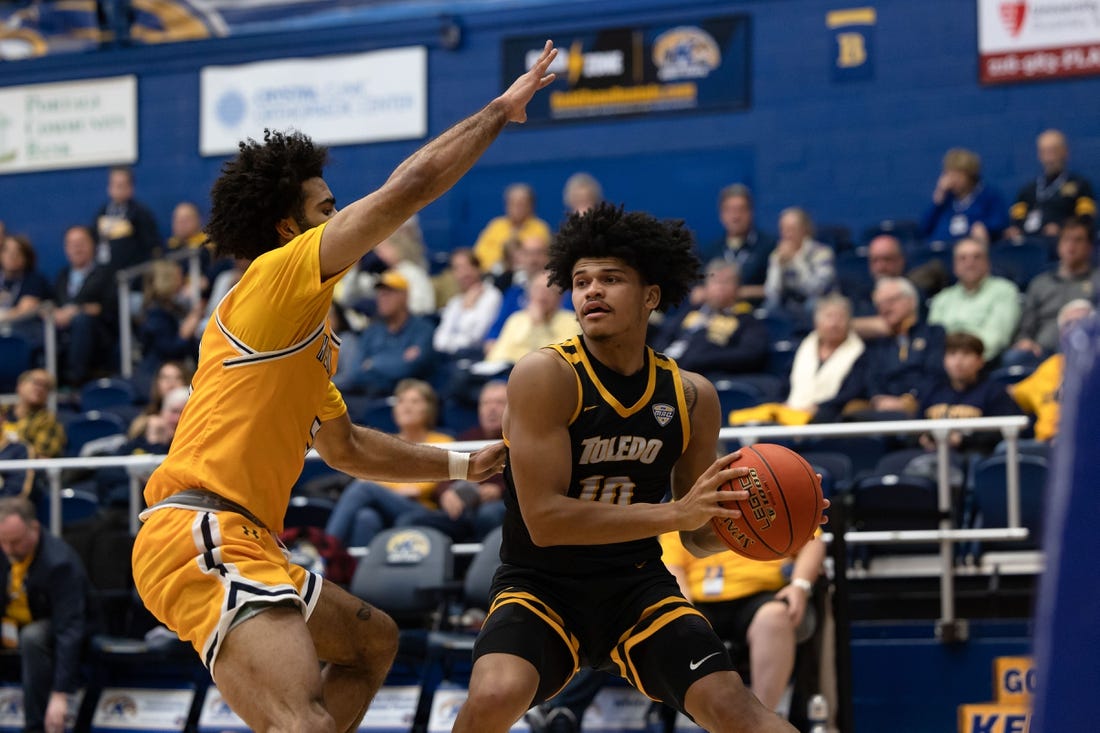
(599,428)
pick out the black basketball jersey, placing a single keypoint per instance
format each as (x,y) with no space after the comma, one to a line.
(620,455)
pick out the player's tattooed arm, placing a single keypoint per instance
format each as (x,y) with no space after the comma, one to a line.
(691,392)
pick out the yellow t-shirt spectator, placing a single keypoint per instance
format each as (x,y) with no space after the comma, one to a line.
(489,246)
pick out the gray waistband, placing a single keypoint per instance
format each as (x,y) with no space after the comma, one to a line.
(202,499)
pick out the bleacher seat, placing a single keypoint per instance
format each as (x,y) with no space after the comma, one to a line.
(89,426)
(779,324)
(853,274)
(1007,375)
(15,358)
(377,413)
(103,394)
(405,573)
(308,511)
(1019,262)
(907,231)
(838,465)
(737,395)
(863,450)
(894,502)
(837,236)
(781,359)
(15,483)
(987,505)
(448,646)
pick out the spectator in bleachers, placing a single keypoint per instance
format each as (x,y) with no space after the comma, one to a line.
(1054,196)
(821,363)
(396,345)
(541,322)
(1040,393)
(894,371)
(48,613)
(885,258)
(980,303)
(468,315)
(22,286)
(22,290)
(403,252)
(187,230)
(519,220)
(741,241)
(756,604)
(964,392)
(169,376)
(187,234)
(367,507)
(126,229)
(86,320)
(531,256)
(169,321)
(580,193)
(30,419)
(713,339)
(468,510)
(1074,277)
(800,270)
(962,206)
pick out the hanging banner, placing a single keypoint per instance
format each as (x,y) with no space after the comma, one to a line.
(638,70)
(1026,40)
(336,100)
(852,31)
(75,124)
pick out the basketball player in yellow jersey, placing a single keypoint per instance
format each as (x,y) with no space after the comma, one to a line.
(206,561)
(598,427)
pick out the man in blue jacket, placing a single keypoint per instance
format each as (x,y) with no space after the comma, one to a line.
(46,612)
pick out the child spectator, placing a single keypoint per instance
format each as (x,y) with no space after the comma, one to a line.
(964,393)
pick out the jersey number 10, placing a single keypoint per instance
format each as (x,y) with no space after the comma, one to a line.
(610,489)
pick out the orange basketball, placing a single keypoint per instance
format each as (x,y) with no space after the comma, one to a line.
(783,508)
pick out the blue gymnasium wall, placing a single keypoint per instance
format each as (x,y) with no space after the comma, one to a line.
(852,153)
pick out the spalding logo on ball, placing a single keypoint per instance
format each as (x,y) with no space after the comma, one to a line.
(784,505)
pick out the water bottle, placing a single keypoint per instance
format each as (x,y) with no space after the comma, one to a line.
(817,714)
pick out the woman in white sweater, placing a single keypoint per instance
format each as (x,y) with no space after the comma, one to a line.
(821,363)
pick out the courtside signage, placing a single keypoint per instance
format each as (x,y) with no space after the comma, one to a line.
(74,124)
(336,100)
(1027,40)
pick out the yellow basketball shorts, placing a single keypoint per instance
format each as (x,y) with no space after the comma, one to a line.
(196,570)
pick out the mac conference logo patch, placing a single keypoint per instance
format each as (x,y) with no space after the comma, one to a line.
(663,413)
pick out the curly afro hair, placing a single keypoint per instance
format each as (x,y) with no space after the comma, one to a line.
(661,251)
(259,188)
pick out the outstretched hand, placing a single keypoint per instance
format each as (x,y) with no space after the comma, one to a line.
(487,462)
(523,89)
(705,498)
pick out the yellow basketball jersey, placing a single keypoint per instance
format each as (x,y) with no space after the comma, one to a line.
(262,388)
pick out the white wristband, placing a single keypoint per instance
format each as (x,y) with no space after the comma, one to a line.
(458,464)
(806,586)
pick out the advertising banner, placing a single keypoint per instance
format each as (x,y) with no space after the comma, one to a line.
(336,100)
(76,124)
(1027,40)
(610,72)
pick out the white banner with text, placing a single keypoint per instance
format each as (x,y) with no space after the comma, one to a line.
(1029,40)
(336,100)
(73,124)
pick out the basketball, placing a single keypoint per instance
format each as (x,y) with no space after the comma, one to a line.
(783,508)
